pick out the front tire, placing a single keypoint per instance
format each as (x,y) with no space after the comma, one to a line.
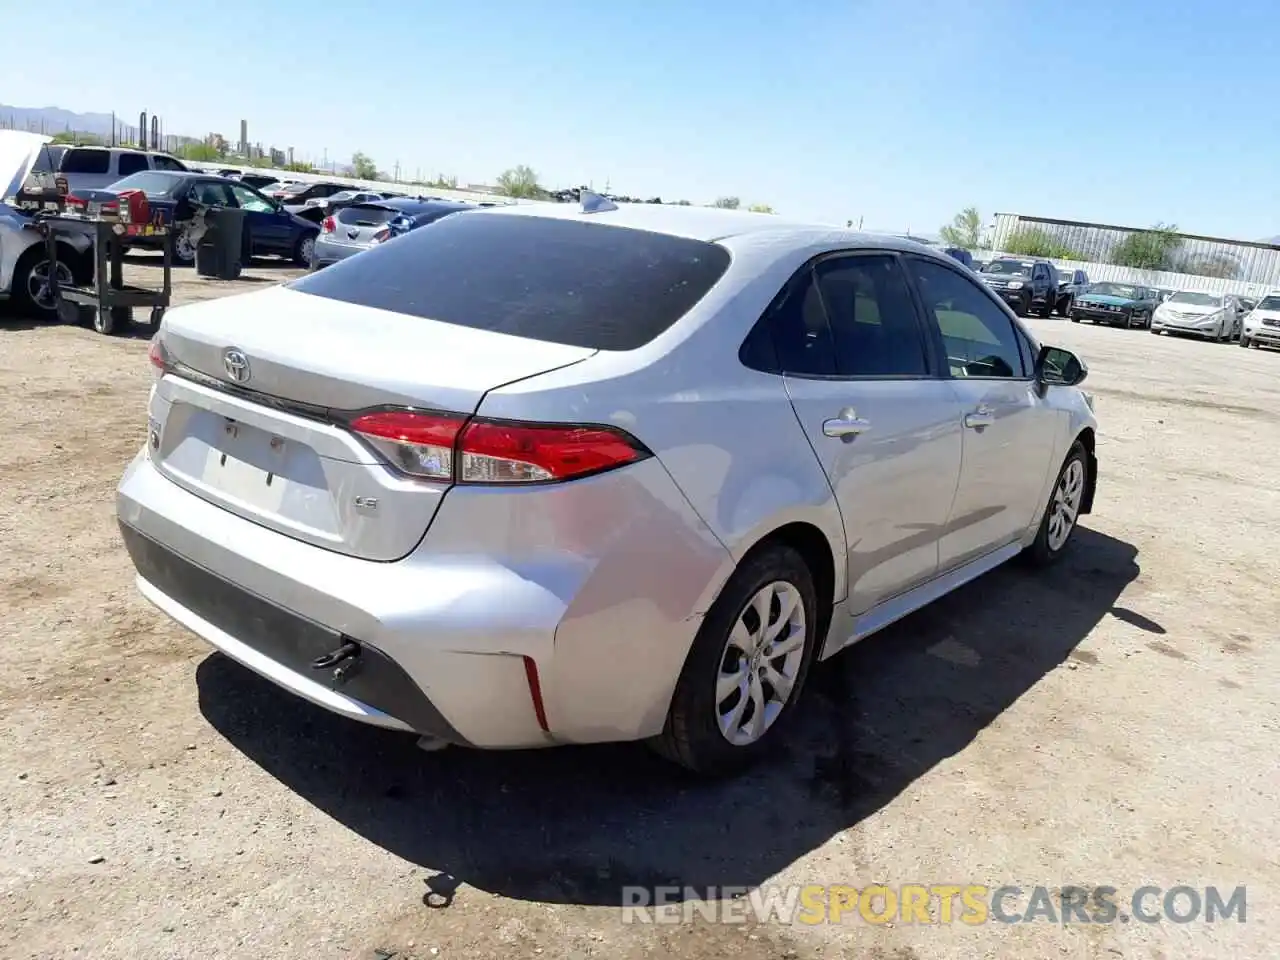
(30,284)
(1063,510)
(1245,341)
(747,667)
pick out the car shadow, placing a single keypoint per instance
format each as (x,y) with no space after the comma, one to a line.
(575,824)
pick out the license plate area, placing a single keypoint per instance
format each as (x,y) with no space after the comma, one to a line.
(247,464)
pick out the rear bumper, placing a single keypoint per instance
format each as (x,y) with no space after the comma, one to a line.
(600,584)
(327,254)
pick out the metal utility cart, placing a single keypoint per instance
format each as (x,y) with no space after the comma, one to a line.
(108,302)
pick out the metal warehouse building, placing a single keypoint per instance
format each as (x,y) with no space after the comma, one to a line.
(1233,260)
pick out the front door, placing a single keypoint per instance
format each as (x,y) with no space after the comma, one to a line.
(267,226)
(885,428)
(1009,429)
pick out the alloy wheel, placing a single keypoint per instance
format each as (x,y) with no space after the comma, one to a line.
(38,283)
(1065,507)
(760,663)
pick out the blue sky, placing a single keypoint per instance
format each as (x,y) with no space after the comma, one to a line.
(893,112)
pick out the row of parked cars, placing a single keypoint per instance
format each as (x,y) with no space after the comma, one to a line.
(311,223)
(1042,288)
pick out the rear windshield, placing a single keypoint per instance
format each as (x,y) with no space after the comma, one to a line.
(366,216)
(561,281)
(151,182)
(86,161)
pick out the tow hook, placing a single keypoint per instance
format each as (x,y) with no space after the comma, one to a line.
(344,662)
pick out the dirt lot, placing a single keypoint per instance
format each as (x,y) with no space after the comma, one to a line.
(1111,723)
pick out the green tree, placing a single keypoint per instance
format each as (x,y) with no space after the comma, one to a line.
(1222,265)
(727,203)
(299,167)
(683,203)
(964,230)
(444,183)
(199,152)
(761,208)
(1036,242)
(72,136)
(520,181)
(1152,249)
(363,167)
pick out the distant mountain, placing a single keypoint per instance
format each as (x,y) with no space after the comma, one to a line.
(52,120)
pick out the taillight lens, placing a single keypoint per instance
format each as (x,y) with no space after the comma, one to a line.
(158,356)
(329,225)
(450,448)
(420,444)
(382,236)
(494,452)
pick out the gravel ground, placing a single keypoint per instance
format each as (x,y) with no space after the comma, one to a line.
(1110,723)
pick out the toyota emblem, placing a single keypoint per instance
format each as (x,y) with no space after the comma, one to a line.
(237,365)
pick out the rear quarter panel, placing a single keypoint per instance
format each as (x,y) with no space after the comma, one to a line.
(727,435)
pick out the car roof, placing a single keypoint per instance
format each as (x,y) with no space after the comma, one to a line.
(713,224)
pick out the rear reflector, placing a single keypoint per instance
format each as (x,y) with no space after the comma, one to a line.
(453,449)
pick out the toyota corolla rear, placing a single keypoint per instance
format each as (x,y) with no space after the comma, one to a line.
(323,497)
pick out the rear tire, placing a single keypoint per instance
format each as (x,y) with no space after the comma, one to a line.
(304,253)
(1062,513)
(699,726)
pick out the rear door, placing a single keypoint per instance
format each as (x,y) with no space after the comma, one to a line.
(1008,428)
(129,162)
(863,383)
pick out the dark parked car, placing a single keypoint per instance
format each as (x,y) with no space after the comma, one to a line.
(1071,283)
(257,180)
(174,197)
(295,197)
(364,225)
(1116,304)
(1025,285)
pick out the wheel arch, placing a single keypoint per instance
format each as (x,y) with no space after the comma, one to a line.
(814,547)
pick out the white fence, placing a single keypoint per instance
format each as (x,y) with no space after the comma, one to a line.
(1147,278)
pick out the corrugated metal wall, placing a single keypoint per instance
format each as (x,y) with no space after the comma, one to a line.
(1207,260)
(1149,278)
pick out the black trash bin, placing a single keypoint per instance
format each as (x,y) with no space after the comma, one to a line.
(218,252)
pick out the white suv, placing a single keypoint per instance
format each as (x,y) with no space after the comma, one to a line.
(1262,325)
(92,168)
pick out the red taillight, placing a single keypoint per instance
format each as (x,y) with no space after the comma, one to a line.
(450,448)
(74,202)
(158,356)
(493,452)
(329,225)
(420,444)
(382,236)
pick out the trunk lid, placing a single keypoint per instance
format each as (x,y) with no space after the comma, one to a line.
(270,447)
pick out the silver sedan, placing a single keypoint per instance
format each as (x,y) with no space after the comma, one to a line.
(551,474)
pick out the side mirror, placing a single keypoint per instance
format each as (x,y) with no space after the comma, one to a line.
(1056,367)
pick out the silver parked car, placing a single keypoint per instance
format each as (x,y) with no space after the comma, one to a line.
(25,266)
(562,474)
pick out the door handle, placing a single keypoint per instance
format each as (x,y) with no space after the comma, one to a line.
(845,426)
(982,417)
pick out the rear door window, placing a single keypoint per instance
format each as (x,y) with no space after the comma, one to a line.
(560,281)
(872,316)
(131,163)
(166,163)
(79,160)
